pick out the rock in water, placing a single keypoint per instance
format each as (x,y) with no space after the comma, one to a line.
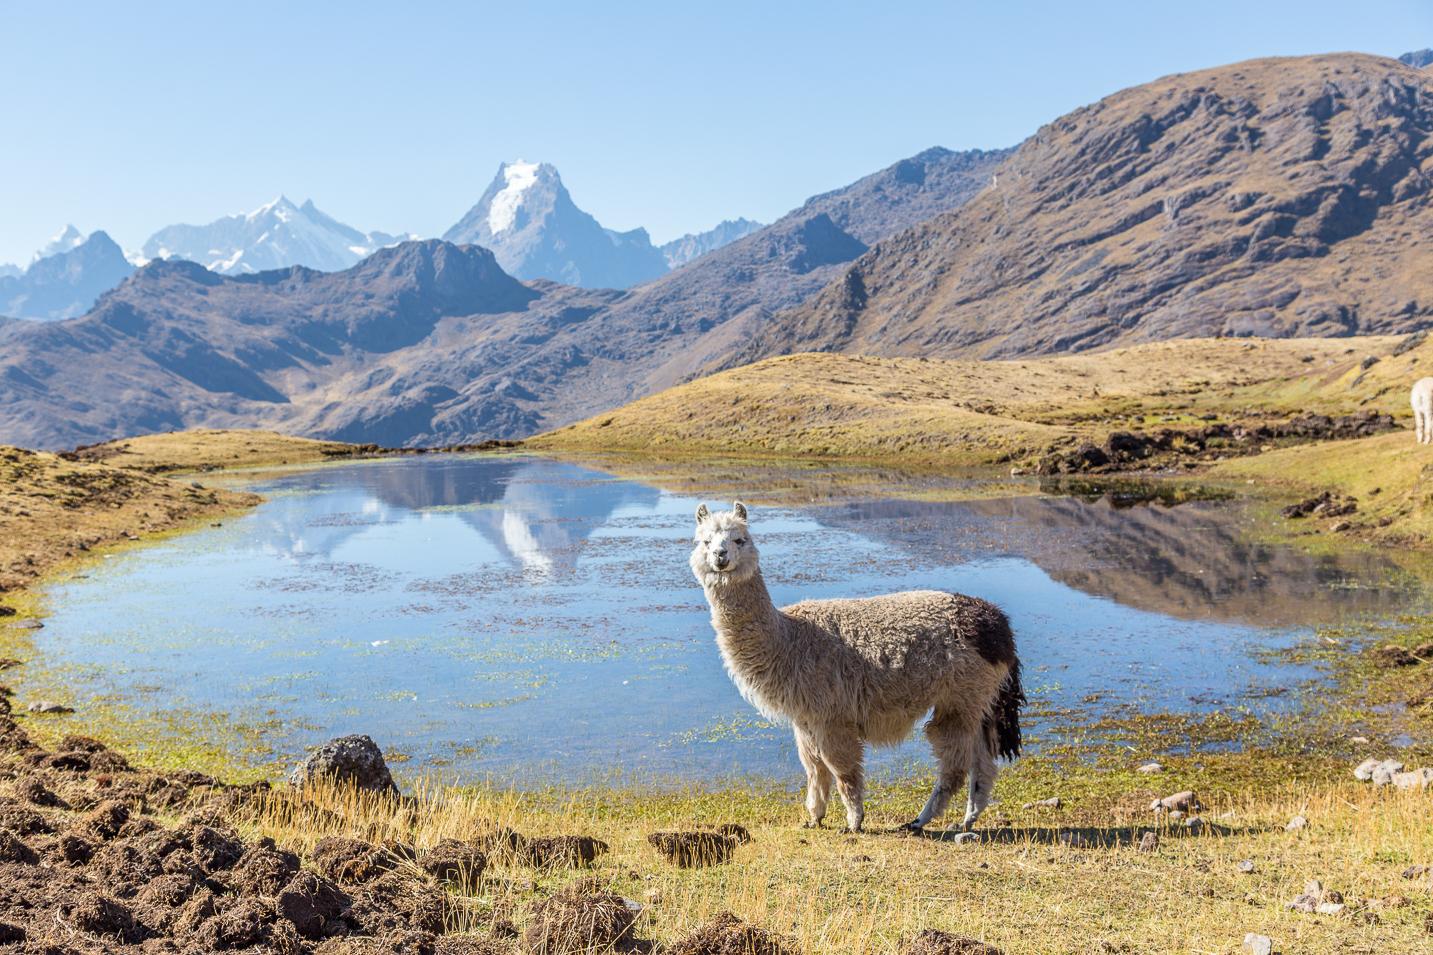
(353,759)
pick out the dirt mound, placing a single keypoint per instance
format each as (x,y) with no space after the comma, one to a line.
(553,852)
(398,900)
(691,849)
(725,934)
(13,849)
(312,904)
(579,921)
(351,861)
(96,914)
(736,830)
(34,791)
(263,869)
(934,942)
(458,863)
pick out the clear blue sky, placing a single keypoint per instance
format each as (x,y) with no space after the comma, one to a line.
(128,117)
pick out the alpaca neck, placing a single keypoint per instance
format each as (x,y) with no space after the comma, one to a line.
(749,632)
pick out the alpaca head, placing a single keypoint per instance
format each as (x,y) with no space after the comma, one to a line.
(724,553)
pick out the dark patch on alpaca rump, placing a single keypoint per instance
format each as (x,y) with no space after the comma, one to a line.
(1002,723)
(985,627)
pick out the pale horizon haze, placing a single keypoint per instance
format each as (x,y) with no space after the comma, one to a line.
(129,118)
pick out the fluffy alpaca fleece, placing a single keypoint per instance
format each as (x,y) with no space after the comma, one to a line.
(849,672)
(1422,401)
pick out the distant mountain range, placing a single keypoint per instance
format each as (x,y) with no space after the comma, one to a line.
(1418,58)
(427,342)
(693,245)
(528,219)
(276,235)
(66,277)
(1277,197)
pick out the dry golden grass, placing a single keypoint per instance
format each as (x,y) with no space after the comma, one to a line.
(53,510)
(1390,475)
(1020,888)
(977,412)
(206,449)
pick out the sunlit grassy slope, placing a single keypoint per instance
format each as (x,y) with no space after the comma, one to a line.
(204,449)
(975,412)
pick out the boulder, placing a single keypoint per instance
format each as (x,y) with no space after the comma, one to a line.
(348,759)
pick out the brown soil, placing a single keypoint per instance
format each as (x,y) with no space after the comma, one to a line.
(690,849)
(726,934)
(576,921)
(90,863)
(932,942)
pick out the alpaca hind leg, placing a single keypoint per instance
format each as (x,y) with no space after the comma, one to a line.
(818,780)
(844,755)
(981,783)
(951,743)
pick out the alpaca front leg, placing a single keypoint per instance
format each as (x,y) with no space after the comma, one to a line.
(818,780)
(844,754)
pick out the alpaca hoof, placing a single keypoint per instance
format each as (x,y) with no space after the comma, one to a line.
(913,827)
(810,824)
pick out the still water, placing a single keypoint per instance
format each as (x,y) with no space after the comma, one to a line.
(519,617)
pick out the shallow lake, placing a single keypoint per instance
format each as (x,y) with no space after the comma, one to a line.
(525,618)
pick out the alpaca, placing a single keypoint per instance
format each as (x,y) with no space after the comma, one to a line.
(849,672)
(1423,409)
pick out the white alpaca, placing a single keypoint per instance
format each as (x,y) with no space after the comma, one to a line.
(850,672)
(1422,401)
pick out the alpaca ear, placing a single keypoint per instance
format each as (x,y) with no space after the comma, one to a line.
(702,513)
(739,509)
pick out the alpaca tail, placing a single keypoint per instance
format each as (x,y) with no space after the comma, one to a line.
(1002,723)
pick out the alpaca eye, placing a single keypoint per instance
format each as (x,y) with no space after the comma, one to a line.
(741,542)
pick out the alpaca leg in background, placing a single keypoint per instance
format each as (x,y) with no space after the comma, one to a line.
(950,740)
(981,783)
(842,751)
(818,780)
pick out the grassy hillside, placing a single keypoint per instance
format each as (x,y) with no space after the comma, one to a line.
(1389,477)
(207,449)
(981,412)
(53,509)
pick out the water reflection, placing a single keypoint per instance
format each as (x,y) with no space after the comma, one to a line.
(536,618)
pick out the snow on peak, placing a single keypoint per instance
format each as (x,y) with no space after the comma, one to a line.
(279,207)
(63,241)
(518,178)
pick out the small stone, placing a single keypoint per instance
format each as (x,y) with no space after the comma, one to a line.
(1329,908)
(1416,779)
(966,838)
(1358,740)
(1150,768)
(1295,824)
(1183,801)
(1149,842)
(1246,866)
(49,707)
(1194,825)
(1256,944)
(1414,871)
(1383,773)
(1175,815)
(1052,803)
(1364,770)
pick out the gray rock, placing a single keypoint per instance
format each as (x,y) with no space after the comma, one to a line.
(1194,825)
(1258,944)
(1246,866)
(1364,771)
(1383,773)
(1183,801)
(1329,908)
(1415,779)
(1052,803)
(1295,824)
(1150,768)
(48,707)
(1149,842)
(355,759)
(966,838)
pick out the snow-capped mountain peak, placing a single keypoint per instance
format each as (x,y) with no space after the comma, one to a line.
(63,241)
(518,177)
(276,235)
(529,221)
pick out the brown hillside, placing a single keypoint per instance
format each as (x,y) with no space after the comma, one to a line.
(1276,197)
